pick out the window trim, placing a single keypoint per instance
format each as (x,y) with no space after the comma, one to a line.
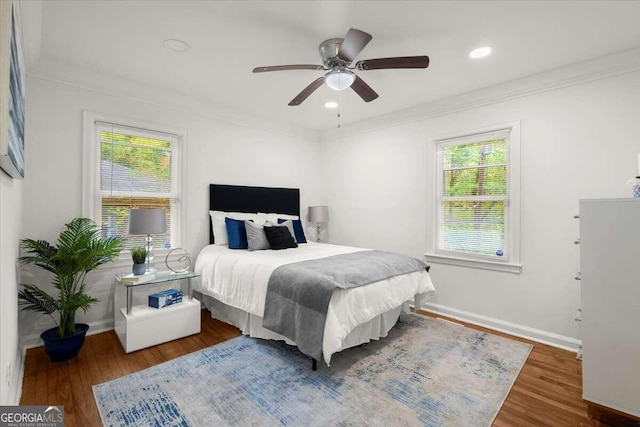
(91,169)
(512,214)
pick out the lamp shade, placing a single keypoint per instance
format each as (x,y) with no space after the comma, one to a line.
(147,221)
(339,79)
(318,213)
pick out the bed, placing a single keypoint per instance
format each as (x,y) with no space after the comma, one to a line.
(234,283)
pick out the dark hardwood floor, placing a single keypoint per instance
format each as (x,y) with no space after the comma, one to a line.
(548,391)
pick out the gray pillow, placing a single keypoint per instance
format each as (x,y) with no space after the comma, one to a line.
(256,238)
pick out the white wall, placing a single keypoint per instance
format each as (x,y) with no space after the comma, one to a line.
(10,225)
(577,142)
(218,151)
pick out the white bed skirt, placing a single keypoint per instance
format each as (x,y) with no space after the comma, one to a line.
(251,324)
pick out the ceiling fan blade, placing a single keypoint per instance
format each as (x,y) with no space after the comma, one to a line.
(364,90)
(397,62)
(307,91)
(287,67)
(353,43)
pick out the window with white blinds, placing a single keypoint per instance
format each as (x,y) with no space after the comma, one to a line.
(134,168)
(474,190)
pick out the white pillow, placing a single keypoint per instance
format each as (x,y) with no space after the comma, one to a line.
(273,217)
(220,227)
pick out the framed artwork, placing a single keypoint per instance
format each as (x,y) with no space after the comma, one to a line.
(12,78)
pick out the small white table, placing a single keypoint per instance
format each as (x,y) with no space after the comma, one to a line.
(140,326)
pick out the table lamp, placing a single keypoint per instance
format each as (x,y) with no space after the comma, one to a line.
(319,215)
(147,221)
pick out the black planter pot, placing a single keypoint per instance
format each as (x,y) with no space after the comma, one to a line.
(67,347)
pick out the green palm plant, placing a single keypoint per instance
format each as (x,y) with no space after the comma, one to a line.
(81,248)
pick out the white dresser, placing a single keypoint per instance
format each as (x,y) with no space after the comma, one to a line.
(610,267)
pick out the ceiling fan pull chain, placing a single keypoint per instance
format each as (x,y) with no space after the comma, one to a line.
(339,107)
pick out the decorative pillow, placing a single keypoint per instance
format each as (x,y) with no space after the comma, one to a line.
(220,227)
(256,237)
(286,223)
(236,233)
(298,231)
(280,238)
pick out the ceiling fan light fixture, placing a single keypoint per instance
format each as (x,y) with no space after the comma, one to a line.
(331,105)
(480,52)
(339,79)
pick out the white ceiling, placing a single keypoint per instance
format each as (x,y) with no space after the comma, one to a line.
(228,39)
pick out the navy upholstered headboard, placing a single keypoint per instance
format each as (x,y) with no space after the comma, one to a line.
(239,198)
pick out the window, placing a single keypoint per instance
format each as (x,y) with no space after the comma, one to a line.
(128,166)
(476,199)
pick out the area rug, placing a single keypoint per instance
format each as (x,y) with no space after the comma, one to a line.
(426,372)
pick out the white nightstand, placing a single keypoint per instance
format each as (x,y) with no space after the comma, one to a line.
(140,326)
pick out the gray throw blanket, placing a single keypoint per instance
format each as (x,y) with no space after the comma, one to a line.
(298,294)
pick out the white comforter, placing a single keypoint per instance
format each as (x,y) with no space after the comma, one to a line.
(239,278)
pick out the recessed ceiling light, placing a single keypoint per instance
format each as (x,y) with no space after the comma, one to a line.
(177,45)
(480,52)
(331,104)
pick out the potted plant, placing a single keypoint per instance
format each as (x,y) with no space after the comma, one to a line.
(80,249)
(139,256)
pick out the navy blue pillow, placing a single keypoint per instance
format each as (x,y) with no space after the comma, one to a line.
(237,233)
(297,229)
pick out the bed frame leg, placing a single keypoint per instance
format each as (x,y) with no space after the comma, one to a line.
(314,365)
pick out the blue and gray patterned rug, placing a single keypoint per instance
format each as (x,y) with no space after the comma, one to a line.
(427,372)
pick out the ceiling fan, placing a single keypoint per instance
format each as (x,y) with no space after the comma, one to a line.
(337,55)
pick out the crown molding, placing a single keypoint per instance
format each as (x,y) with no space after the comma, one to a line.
(575,74)
(571,75)
(54,72)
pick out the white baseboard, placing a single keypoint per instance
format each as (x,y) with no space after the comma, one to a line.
(32,341)
(537,335)
(17,377)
